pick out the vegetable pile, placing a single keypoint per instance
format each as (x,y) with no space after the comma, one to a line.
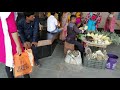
(98,55)
(100,39)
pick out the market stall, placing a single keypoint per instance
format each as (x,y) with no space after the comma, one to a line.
(95,47)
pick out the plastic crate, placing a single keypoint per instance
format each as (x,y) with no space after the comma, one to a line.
(98,64)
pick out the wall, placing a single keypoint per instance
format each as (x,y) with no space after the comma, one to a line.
(104,16)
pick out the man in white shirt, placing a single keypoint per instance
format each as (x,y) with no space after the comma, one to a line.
(52,24)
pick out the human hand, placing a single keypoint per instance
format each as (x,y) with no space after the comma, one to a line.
(35,44)
(19,50)
(27,45)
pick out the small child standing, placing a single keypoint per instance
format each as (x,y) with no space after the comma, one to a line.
(110,22)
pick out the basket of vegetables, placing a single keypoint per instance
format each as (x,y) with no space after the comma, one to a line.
(96,60)
(98,40)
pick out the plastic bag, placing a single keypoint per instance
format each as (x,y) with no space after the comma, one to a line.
(73,57)
(30,55)
(22,64)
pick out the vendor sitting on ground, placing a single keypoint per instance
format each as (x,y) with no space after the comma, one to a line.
(52,24)
(28,28)
(72,31)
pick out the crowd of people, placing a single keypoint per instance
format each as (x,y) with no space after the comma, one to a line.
(23,34)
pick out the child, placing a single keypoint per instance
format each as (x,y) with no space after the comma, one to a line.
(110,22)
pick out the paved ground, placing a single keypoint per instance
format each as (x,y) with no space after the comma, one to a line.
(55,67)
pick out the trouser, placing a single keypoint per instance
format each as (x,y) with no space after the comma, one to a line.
(11,75)
(35,53)
(79,46)
(56,31)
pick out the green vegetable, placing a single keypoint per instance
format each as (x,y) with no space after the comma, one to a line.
(115,38)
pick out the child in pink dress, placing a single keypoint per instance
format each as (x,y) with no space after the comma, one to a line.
(15,43)
(110,22)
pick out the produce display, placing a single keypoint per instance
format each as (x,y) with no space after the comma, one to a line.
(115,38)
(83,28)
(89,38)
(98,55)
(100,39)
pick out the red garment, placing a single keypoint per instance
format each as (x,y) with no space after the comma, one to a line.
(98,18)
(110,25)
(11,29)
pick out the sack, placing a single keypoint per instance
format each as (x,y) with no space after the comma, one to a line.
(30,55)
(22,64)
(73,57)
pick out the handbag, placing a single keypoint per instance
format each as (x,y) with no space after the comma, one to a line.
(73,57)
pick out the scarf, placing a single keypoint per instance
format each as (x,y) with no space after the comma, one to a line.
(7,41)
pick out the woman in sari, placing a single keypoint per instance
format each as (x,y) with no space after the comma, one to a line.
(63,34)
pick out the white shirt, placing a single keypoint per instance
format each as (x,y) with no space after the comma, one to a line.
(51,23)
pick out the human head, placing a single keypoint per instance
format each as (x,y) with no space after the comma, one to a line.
(53,13)
(73,18)
(29,16)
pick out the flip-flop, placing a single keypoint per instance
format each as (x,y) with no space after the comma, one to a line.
(37,64)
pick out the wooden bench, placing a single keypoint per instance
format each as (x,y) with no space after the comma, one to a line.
(46,44)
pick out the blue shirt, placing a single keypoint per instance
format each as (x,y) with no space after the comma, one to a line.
(28,31)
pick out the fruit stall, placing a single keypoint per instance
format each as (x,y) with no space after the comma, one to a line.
(95,47)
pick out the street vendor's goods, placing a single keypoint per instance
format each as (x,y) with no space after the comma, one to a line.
(115,38)
(100,39)
(83,28)
(98,55)
(89,38)
(73,57)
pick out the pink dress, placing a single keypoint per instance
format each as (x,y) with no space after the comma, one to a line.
(110,26)
(64,26)
(11,28)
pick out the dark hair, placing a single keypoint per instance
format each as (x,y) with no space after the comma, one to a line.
(72,16)
(52,13)
(27,14)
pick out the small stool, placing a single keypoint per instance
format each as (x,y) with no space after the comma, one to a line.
(68,46)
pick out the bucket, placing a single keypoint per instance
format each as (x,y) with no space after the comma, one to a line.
(112,61)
